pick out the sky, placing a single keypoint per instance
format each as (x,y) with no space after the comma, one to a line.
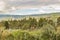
(27,7)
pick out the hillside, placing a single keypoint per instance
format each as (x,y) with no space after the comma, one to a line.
(46,28)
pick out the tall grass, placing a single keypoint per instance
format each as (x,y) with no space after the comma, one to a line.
(41,34)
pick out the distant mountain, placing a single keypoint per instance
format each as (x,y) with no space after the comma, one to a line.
(21,16)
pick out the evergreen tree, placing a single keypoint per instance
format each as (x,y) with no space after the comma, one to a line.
(42,21)
(6,25)
(51,22)
(33,23)
(58,21)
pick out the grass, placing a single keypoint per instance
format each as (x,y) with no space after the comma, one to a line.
(45,33)
(18,34)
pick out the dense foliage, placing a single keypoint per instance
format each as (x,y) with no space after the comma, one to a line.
(30,23)
(30,29)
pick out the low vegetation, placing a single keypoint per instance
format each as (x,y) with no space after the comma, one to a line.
(45,28)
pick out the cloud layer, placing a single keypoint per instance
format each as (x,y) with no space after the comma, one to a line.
(28,6)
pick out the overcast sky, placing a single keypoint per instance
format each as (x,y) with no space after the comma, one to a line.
(23,7)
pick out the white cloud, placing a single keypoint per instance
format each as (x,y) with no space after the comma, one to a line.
(2,5)
(27,9)
(42,9)
(13,8)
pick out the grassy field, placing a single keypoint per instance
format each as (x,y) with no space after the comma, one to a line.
(29,30)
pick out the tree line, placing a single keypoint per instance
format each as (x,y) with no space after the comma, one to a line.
(30,23)
(47,29)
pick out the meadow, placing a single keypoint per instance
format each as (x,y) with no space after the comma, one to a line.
(31,28)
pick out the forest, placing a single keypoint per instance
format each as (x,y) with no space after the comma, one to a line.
(44,28)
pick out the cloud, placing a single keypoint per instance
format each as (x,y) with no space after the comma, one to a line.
(32,2)
(20,6)
(41,10)
(29,11)
(2,5)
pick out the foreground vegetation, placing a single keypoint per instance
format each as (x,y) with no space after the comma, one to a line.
(45,28)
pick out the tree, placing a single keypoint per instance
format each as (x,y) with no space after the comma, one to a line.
(51,22)
(42,21)
(6,25)
(58,21)
(33,23)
